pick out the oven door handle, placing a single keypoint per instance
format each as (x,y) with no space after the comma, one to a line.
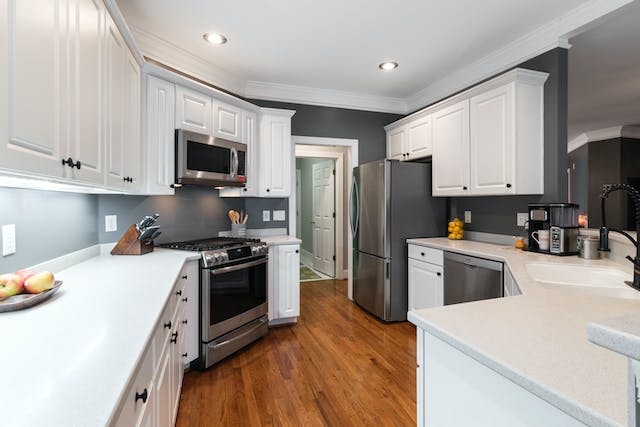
(224,270)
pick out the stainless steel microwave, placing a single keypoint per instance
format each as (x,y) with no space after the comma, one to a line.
(205,160)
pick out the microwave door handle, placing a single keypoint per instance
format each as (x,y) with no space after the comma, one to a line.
(234,163)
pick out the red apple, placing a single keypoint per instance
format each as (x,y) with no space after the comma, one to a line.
(10,285)
(39,282)
(24,274)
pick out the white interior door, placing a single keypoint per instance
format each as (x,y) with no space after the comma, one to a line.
(324,217)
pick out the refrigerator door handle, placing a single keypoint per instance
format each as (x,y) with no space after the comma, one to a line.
(354,217)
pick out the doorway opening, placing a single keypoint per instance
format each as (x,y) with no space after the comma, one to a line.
(316,217)
(342,154)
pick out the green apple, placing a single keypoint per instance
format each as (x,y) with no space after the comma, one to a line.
(10,285)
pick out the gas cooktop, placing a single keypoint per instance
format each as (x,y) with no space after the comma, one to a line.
(209,244)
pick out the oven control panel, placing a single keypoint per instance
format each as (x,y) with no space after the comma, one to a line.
(224,256)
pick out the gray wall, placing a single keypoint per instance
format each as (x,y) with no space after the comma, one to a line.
(255,206)
(498,214)
(48,224)
(365,126)
(579,165)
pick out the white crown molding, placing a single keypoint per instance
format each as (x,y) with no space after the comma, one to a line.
(325,97)
(603,135)
(549,36)
(174,56)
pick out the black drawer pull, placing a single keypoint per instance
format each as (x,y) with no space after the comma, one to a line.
(439,274)
(184,355)
(174,337)
(185,277)
(508,185)
(464,188)
(142,396)
(185,321)
(69,162)
(179,293)
(167,325)
(185,299)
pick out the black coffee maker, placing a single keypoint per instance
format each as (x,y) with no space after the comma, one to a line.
(553,228)
(539,219)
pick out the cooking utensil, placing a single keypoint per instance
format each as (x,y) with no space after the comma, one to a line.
(22,301)
(246,217)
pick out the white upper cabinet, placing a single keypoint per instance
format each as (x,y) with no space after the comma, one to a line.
(32,93)
(159,137)
(410,140)
(132,124)
(193,111)
(451,150)
(395,144)
(492,141)
(419,138)
(276,153)
(227,121)
(115,95)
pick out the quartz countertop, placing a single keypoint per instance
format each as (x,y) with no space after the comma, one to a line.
(280,240)
(68,360)
(539,339)
(620,334)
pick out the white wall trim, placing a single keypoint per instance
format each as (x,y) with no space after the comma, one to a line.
(174,56)
(324,97)
(602,135)
(350,162)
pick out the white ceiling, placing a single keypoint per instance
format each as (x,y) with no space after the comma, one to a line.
(604,74)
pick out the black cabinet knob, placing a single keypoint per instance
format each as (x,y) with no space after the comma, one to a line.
(268,190)
(421,253)
(174,337)
(179,293)
(167,325)
(439,274)
(184,355)
(408,154)
(69,162)
(185,277)
(464,187)
(244,189)
(508,185)
(297,251)
(142,396)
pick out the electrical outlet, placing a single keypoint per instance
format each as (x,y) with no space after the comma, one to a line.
(110,223)
(266,216)
(522,218)
(279,216)
(8,239)
(467,217)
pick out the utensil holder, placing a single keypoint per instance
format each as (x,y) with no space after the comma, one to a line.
(238,230)
(130,245)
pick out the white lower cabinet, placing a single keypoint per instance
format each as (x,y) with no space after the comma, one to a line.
(426,278)
(284,284)
(153,395)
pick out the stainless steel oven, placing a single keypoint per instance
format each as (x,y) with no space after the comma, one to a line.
(204,160)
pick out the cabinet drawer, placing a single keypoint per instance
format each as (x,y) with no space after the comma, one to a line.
(434,256)
(141,387)
(162,332)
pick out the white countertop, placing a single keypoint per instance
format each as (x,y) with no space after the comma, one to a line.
(280,240)
(539,339)
(68,360)
(620,334)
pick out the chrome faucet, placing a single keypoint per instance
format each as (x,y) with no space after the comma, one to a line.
(604,230)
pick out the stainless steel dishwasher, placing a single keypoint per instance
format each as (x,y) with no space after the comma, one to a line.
(468,278)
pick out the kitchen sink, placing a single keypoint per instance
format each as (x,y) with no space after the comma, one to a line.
(593,280)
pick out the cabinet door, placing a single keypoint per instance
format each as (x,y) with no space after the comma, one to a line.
(288,281)
(419,138)
(132,123)
(395,144)
(492,141)
(451,150)
(252,167)
(160,148)
(227,121)
(86,39)
(193,111)
(32,93)
(163,397)
(272,287)
(276,156)
(425,285)
(116,88)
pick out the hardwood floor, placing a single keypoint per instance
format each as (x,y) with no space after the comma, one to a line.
(338,366)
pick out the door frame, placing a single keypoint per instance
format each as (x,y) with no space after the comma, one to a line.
(334,178)
(310,146)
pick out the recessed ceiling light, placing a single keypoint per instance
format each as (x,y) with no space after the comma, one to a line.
(214,38)
(388,66)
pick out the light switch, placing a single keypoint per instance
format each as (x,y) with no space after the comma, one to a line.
(522,218)
(110,223)
(279,215)
(467,217)
(266,216)
(8,239)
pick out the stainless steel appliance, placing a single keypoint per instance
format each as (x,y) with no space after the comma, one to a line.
(233,294)
(390,202)
(205,160)
(561,220)
(467,278)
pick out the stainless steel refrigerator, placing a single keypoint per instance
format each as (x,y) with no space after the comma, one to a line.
(390,202)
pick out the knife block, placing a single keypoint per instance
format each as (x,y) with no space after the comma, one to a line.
(130,245)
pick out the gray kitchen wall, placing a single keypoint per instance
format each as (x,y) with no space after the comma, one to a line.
(365,126)
(254,207)
(48,224)
(498,214)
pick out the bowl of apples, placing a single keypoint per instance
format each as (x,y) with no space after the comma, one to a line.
(26,288)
